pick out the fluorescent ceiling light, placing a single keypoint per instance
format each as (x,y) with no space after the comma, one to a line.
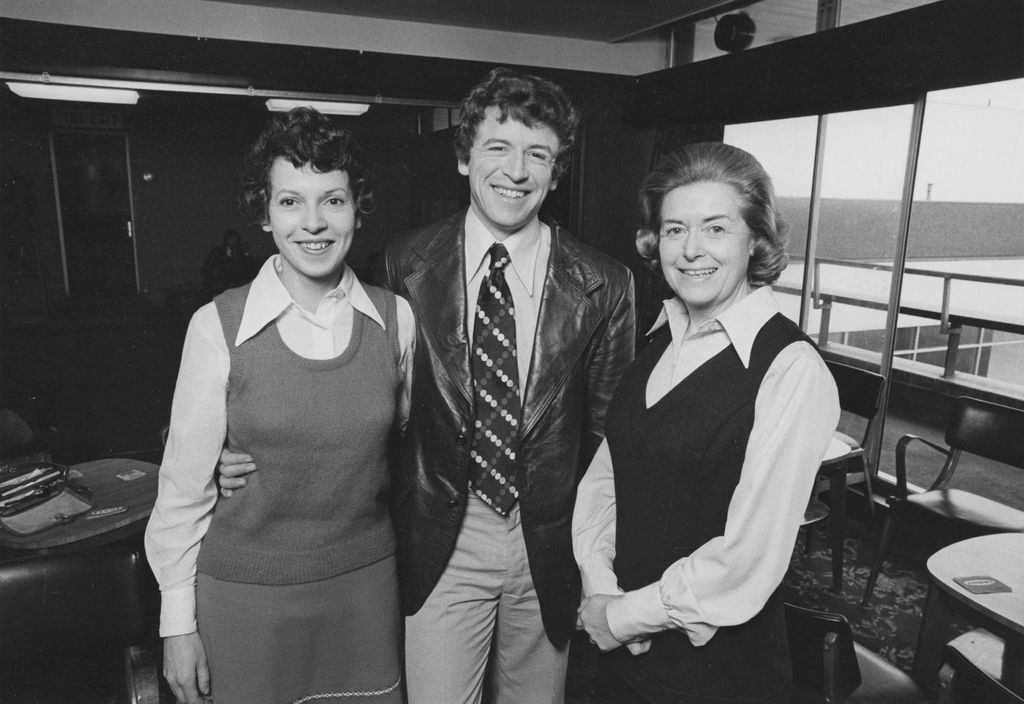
(324,106)
(84,94)
(301,98)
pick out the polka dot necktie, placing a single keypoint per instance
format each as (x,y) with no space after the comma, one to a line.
(496,390)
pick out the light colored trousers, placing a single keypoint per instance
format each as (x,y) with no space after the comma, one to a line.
(486,595)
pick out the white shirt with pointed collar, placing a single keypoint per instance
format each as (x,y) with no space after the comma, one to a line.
(529,250)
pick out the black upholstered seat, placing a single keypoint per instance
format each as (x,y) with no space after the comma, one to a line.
(73,630)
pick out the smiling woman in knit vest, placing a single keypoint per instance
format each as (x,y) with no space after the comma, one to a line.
(290,593)
(686,518)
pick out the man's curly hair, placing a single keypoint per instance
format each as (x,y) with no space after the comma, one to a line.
(518,96)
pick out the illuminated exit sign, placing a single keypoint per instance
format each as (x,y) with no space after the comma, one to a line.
(87,118)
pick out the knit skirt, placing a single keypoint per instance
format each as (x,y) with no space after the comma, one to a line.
(334,640)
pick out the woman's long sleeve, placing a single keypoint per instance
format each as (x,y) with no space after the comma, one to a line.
(187,490)
(593,525)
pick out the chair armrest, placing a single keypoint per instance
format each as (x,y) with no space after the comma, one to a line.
(901,461)
(830,662)
(141,679)
(944,690)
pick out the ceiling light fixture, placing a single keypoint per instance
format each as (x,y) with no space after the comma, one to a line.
(82,94)
(324,106)
(223,88)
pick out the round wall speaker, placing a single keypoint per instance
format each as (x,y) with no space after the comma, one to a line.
(734,32)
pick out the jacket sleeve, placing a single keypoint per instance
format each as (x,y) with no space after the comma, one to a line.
(610,357)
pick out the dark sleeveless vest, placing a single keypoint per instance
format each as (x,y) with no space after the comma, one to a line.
(318,432)
(677,465)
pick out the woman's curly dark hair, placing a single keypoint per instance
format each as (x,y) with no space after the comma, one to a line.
(303,136)
(524,98)
(714,162)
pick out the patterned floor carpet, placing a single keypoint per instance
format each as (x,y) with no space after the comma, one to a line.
(890,623)
(888,626)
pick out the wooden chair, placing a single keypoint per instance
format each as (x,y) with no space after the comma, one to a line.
(860,395)
(829,666)
(977,427)
(972,669)
(72,628)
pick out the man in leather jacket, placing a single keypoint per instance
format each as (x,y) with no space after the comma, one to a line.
(470,576)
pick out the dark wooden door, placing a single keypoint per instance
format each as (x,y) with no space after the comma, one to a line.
(95,208)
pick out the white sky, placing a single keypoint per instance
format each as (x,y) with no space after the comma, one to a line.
(972,148)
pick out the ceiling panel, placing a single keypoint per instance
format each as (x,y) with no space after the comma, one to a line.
(596,20)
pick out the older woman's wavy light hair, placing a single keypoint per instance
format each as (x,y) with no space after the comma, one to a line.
(714,162)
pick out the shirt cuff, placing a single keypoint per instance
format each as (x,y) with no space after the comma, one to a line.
(598,578)
(638,614)
(178,612)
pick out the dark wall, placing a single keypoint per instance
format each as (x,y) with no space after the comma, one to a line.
(29,248)
(186,154)
(617,158)
(889,60)
(192,145)
(193,149)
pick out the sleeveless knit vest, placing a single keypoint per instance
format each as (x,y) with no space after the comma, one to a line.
(318,432)
(677,465)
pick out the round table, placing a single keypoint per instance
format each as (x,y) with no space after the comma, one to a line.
(1000,556)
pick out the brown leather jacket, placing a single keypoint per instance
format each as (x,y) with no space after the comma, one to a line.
(584,341)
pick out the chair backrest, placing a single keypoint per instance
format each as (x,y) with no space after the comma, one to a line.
(860,391)
(15,433)
(808,631)
(963,682)
(988,430)
(75,603)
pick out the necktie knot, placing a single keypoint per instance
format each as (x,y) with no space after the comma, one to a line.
(499,257)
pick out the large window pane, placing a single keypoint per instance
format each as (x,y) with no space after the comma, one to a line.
(864,163)
(965,243)
(786,150)
(854,11)
(861,184)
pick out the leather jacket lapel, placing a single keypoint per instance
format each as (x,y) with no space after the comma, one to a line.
(438,295)
(565,325)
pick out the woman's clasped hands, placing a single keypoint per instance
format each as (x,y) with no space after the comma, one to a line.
(592,616)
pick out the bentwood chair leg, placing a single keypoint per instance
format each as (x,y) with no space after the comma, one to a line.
(869,494)
(876,567)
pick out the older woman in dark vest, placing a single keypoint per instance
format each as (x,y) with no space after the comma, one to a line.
(686,519)
(290,595)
